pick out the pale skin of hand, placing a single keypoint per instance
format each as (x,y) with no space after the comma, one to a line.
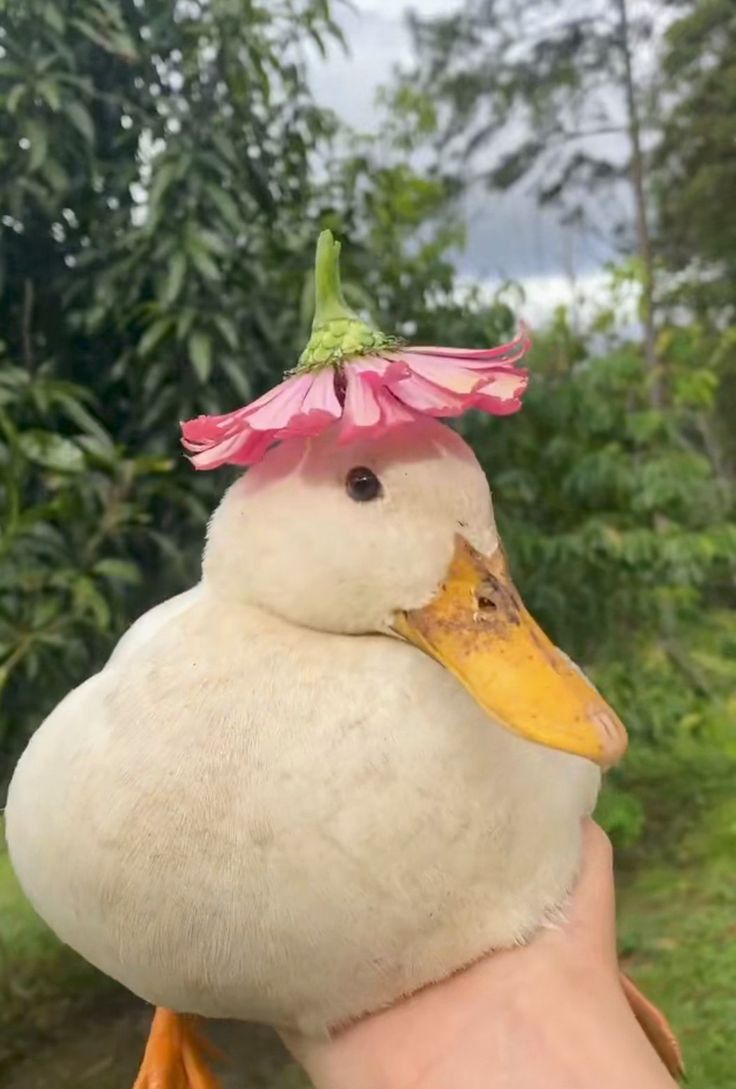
(550,1015)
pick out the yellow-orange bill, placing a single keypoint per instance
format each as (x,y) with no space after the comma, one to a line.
(478,628)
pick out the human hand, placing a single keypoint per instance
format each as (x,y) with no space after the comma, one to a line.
(549,1015)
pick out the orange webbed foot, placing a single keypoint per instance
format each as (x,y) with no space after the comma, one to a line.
(656,1028)
(176,1055)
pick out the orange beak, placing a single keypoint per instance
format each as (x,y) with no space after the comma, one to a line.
(478,628)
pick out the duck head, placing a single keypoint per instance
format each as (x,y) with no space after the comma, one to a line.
(397,536)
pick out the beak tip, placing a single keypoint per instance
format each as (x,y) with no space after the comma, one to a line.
(612,736)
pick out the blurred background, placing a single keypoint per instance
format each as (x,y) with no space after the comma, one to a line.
(165,168)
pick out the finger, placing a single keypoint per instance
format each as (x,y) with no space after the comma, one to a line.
(592,912)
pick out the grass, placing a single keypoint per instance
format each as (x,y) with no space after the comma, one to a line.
(42,983)
(63,1025)
(677,916)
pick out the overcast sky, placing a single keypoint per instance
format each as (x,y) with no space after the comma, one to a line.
(509,236)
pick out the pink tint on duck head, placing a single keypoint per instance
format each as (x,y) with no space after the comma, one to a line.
(318,458)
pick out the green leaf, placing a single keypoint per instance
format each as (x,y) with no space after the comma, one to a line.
(55,175)
(14,96)
(184,323)
(83,418)
(145,466)
(49,91)
(116,42)
(53,18)
(226,206)
(52,451)
(225,146)
(174,278)
(99,450)
(235,371)
(154,335)
(200,353)
(89,32)
(204,264)
(228,330)
(125,47)
(37,134)
(87,598)
(163,176)
(171,554)
(81,119)
(212,242)
(45,610)
(118,570)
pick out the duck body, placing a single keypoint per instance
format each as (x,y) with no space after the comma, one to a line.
(294,853)
(267,805)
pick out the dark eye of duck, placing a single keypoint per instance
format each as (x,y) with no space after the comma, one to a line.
(362,485)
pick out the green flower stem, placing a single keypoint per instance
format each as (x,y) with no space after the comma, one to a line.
(330,302)
(338,334)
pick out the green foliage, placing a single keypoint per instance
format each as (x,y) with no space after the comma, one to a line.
(695,182)
(81,520)
(157,172)
(623,537)
(676,903)
(621,814)
(696,165)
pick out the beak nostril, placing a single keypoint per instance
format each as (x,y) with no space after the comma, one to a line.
(487,595)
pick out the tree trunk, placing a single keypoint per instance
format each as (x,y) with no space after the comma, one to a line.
(643,236)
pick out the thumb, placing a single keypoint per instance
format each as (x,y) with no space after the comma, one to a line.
(591,914)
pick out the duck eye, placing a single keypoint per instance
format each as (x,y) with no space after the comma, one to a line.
(362,485)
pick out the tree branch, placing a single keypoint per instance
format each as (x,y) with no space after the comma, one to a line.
(644,239)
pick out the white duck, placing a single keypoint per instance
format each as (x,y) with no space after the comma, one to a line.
(272,805)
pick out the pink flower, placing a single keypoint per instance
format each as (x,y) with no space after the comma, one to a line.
(365,396)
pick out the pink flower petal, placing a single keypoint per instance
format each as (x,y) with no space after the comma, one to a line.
(212,428)
(374,410)
(202,430)
(275,412)
(245,448)
(394,413)
(389,367)
(426,397)
(264,399)
(254,446)
(478,366)
(502,395)
(208,429)
(446,373)
(222,453)
(361,411)
(320,407)
(471,357)
(505,387)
